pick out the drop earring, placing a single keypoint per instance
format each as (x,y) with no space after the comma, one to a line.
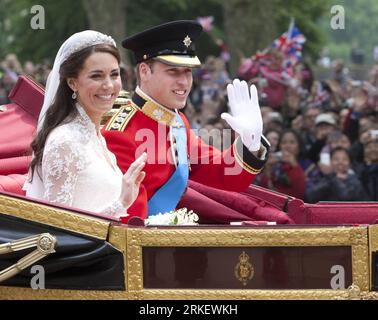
(74,95)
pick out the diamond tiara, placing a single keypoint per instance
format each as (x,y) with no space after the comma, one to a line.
(90,41)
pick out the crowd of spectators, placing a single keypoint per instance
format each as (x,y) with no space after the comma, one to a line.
(11,68)
(323,133)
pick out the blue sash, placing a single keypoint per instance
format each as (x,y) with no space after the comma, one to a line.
(167,197)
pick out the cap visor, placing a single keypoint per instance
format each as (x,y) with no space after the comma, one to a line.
(180,61)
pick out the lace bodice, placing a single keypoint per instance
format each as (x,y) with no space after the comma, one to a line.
(79,171)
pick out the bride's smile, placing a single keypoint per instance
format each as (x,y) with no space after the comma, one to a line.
(97,85)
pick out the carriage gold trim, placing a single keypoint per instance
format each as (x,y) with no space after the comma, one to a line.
(134,241)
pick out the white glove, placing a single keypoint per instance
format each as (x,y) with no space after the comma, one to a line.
(246,117)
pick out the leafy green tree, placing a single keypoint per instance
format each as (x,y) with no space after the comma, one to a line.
(307,14)
(245,25)
(361,26)
(63,18)
(109,19)
(143,14)
(251,25)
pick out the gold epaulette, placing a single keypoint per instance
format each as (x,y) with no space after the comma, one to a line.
(124,98)
(121,118)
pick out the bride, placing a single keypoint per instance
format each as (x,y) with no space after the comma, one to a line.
(72,164)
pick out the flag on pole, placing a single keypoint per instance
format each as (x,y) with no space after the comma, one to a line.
(290,44)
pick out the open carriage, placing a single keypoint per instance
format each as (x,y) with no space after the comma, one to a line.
(317,251)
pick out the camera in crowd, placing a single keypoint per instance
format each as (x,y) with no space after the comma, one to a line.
(278,155)
(374,134)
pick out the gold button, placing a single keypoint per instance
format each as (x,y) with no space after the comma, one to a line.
(128,109)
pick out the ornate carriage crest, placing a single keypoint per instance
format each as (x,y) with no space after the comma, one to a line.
(244,270)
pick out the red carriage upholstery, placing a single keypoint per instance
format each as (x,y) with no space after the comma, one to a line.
(18,165)
(220,206)
(18,121)
(341,213)
(322,213)
(12,183)
(290,205)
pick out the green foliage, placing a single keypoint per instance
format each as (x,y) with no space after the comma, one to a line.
(3,33)
(146,13)
(306,14)
(143,14)
(63,18)
(360,29)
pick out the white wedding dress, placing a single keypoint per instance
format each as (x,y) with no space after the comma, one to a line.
(78,170)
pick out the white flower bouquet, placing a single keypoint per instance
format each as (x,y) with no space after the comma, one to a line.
(176,217)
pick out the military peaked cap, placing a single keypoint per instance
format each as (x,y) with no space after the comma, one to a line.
(171,43)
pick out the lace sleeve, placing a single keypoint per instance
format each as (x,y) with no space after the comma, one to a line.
(115,209)
(61,164)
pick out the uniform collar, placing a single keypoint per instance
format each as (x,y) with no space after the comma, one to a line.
(153,109)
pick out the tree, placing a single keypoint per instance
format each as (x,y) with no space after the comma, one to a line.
(246,27)
(39,45)
(307,14)
(252,25)
(143,14)
(4,28)
(360,26)
(108,17)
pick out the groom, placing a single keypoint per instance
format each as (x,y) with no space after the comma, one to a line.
(152,123)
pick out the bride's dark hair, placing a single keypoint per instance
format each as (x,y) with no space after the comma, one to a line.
(63,106)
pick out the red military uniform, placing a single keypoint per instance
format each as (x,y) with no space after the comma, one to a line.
(143,126)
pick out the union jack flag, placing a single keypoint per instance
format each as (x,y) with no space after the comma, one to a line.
(290,44)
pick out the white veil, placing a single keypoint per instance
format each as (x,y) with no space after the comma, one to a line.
(76,42)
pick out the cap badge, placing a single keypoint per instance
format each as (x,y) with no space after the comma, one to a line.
(187,41)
